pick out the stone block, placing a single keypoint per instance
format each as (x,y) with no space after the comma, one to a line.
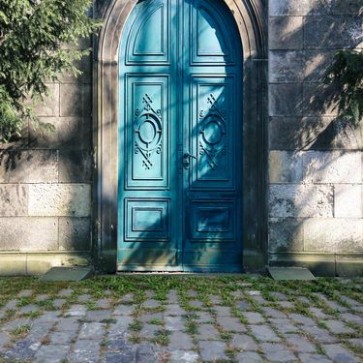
(286,66)
(347,136)
(330,32)
(28,234)
(287,7)
(59,200)
(312,133)
(333,235)
(74,234)
(332,167)
(347,7)
(35,166)
(13,200)
(285,235)
(75,166)
(351,266)
(12,264)
(75,100)
(85,67)
(348,201)
(316,63)
(293,200)
(71,133)
(285,167)
(285,99)
(286,32)
(317,100)
(49,106)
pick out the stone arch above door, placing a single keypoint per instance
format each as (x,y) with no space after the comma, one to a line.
(250,18)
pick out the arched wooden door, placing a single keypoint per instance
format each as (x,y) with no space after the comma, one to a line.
(180,152)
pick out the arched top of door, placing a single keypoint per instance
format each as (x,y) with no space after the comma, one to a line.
(248,14)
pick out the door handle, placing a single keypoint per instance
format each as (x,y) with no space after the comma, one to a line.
(186,159)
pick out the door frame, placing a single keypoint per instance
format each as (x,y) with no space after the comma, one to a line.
(250,17)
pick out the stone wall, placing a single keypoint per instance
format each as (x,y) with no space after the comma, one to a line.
(45,183)
(315,158)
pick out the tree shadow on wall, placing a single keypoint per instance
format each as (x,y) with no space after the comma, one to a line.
(308,128)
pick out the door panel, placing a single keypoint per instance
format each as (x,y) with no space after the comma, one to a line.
(179,149)
(147,137)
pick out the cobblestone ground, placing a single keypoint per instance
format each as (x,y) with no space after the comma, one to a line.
(239,324)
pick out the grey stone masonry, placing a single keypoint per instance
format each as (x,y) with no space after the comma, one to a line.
(45,181)
(315,156)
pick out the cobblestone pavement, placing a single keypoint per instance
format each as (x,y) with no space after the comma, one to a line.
(240,325)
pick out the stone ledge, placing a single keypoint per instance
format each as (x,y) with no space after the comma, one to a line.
(20,264)
(323,264)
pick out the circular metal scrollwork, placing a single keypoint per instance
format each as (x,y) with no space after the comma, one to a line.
(148,131)
(213,130)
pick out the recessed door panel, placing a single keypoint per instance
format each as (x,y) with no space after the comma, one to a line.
(212,134)
(149,39)
(147,135)
(180,85)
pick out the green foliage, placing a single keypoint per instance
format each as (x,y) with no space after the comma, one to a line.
(33,34)
(345,74)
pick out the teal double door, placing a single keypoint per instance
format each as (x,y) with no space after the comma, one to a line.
(180,138)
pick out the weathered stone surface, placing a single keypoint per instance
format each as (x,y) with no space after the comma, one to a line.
(333,235)
(73,99)
(286,66)
(35,166)
(338,353)
(208,332)
(285,99)
(285,167)
(285,235)
(287,7)
(347,7)
(181,341)
(84,351)
(231,324)
(50,105)
(254,318)
(59,200)
(286,32)
(124,310)
(301,201)
(76,311)
(316,63)
(338,327)
(332,167)
(75,166)
(313,358)
(213,351)
(174,323)
(92,331)
(317,100)
(52,353)
(13,200)
(296,133)
(277,352)
(182,356)
(249,357)
(299,344)
(330,32)
(348,201)
(74,234)
(28,234)
(85,66)
(243,342)
(264,333)
(71,133)
(284,326)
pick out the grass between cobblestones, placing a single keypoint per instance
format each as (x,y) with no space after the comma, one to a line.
(247,298)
